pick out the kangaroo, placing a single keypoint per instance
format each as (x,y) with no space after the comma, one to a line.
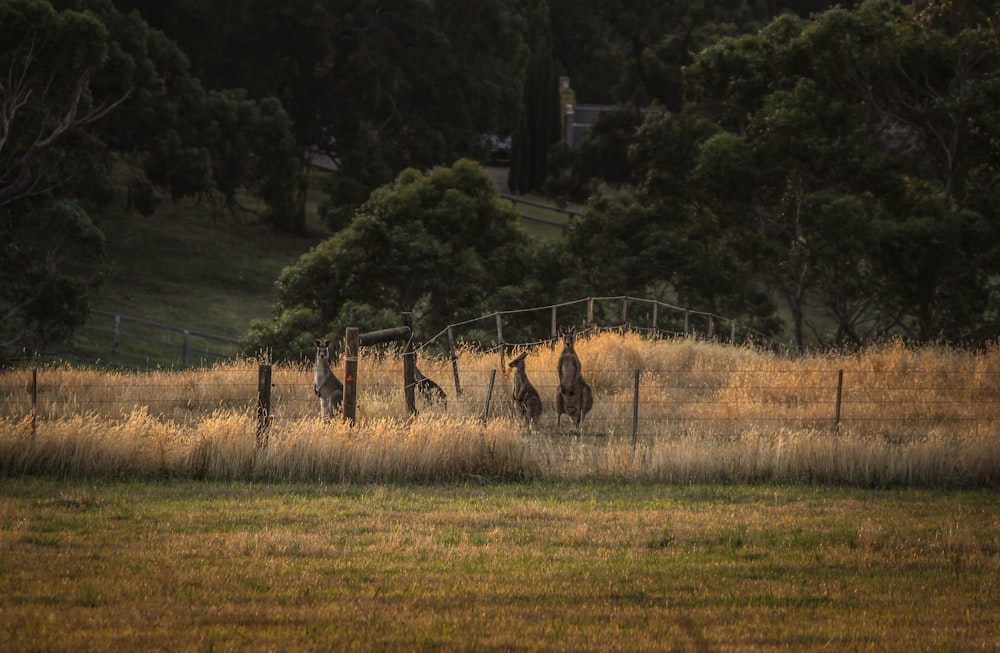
(569,363)
(526,398)
(431,391)
(576,404)
(327,386)
(573,396)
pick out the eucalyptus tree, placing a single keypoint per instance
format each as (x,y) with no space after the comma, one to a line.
(878,117)
(49,167)
(377,87)
(441,244)
(94,104)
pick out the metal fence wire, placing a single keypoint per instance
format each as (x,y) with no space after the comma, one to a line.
(646,402)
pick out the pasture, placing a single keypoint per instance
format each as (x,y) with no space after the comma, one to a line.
(730,500)
(178,565)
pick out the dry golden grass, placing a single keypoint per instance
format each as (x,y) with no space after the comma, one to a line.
(706,413)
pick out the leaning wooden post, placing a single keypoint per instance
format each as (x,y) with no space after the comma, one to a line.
(489,396)
(454,361)
(351,375)
(500,340)
(263,403)
(409,366)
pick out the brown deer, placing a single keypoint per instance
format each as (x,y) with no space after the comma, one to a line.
(526,398)
(573,396)
(327,386)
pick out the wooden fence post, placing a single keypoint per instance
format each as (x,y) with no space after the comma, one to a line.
(590,312)
(554,330)
(624,310)
(116,342)
(489,396)
(687,321)
(34,399)
(186,347)
(351,374)
(656,305)
(635,410)
(454,361)
(263,403)
(840,394)
(500,340)
(732,332)
(409,367)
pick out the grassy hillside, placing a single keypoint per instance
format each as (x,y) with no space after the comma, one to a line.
(187,267)
(194,268)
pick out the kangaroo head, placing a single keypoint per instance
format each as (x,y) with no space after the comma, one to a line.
(569,336)
(323,349)
(519,361)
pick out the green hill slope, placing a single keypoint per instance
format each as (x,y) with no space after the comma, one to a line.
(193,268)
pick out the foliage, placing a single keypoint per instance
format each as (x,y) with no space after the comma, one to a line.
(67,71)
(869,116)
(843,164)
(47,100)
(376,88)
(538,122)
(442,245)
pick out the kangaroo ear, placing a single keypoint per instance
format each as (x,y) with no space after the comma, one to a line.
(318,343)
(326,343)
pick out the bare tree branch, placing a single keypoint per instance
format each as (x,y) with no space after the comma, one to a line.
(18,178)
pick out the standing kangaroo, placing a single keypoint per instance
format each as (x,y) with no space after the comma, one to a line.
(526,398)
(327,386)
(573,396)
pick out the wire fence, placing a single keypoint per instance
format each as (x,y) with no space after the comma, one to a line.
(528,327)
(136,343)
(642,402)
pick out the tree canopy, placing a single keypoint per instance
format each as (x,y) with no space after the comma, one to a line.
(846,163)
(88,95)
(442,245)
(837,167)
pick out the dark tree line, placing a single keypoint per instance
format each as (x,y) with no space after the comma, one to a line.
(835,167)
(845,167)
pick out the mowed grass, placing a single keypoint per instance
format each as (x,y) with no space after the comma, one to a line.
(198,566)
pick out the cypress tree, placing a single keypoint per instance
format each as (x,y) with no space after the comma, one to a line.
(538,123)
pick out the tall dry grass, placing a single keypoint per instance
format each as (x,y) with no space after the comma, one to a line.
(707,413)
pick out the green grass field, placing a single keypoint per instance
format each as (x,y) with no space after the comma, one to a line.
(212,273)
(192,566)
